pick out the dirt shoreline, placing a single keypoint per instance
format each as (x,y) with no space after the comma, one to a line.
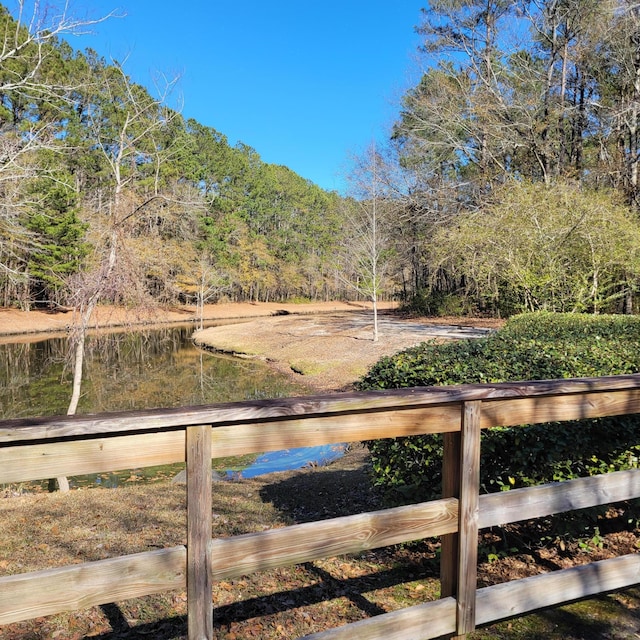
(326,346)
(16,322)
(330,352)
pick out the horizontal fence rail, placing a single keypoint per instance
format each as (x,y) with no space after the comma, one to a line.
(42,448)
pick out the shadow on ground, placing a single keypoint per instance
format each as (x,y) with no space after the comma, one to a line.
(323,494)
(167,629)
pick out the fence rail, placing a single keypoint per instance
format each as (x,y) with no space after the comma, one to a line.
(48,447)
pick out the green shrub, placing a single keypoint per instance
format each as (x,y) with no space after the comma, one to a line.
(439,303)
(530,347)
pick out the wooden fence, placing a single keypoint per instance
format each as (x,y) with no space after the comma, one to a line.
(50,447)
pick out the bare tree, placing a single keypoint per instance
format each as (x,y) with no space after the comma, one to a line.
(122,120)
(122,123)
(365,255)
(211,283)
(27,40)
(28,34)
(36,25)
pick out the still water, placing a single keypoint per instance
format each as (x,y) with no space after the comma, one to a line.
(129,370)
(134,370)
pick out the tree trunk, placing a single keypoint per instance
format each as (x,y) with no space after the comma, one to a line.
(374,302)
(85,318)
(628,301)
(78,362)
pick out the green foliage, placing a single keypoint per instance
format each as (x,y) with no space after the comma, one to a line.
(507,190)
(59,237)
(595,542)
(545,247)
(524,179)
(530,347)
(91,159)
(439,303)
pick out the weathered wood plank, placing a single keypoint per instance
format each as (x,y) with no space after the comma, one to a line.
(80,457)
(301,422)
(428,620)
(42,593)
(537,502)
(240,439)
(513,412)
(244,554)
(109,454)
(498,602)
(271,436)
(274,435)
(551,589)
(72,426)
(241,555)
(199,521)
(468,518)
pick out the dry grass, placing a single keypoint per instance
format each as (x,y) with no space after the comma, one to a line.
(42,530)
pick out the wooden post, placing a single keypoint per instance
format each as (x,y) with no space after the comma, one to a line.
(468,517)
(199,521)
(461,479)
(450,489)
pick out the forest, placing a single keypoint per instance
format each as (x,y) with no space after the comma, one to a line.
(509,181)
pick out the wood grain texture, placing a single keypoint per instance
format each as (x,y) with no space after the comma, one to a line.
(241,555)
(81,457)
(199,522)
(42,593)
(423,621)
(468,518)
(498,602)
(536,502)
(36,461)
(256,411)
(549,589)
(285,434)
(531,410)
(48,447)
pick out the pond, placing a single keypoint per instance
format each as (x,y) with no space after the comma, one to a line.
(129,370)
(136,370)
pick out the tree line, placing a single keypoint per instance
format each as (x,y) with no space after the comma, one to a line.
(519,155)
(108,194)
(510,180)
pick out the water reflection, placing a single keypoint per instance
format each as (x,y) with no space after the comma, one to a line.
(129,370)
(144,370)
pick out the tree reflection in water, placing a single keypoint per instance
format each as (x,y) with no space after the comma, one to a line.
(130,370)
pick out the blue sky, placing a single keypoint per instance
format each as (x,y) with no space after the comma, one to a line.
(306,84)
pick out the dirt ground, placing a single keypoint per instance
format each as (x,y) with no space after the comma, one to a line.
(13,321)
(326,345)
(330,351)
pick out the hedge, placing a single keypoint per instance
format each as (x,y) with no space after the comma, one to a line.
(535,346)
